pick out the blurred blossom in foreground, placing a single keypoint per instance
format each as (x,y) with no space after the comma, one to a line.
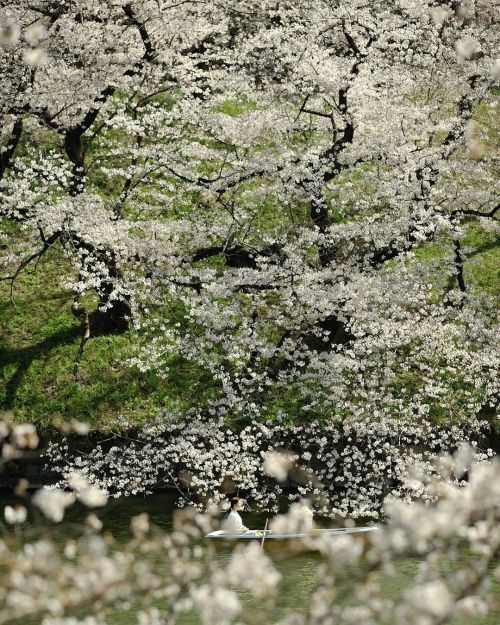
(277,465)
(140,525)
(298,520)
(440,15)
(89,495)
(34,33)
(495,69)
(24,436)
(15,514)
(9,33)
(252,569)
(34,56)
(53,503)
(467,47)
(216,605)
(457,538)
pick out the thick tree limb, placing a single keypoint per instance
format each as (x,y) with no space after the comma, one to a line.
(7,155)
(459,265)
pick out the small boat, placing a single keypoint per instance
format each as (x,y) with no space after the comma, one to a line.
(296,542)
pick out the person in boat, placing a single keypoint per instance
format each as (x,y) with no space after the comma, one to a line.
(233,523)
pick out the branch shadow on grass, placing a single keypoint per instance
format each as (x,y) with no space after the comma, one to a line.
(25,357)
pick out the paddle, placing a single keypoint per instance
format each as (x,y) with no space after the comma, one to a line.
(264,535)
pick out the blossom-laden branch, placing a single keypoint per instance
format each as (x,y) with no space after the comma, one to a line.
(346,469)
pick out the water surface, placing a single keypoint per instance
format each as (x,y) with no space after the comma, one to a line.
(299,573)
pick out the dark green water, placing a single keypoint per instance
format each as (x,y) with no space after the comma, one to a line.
(299,573)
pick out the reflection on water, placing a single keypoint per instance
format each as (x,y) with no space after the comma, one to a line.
(299,573)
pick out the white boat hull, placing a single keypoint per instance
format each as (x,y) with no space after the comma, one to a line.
(220,537)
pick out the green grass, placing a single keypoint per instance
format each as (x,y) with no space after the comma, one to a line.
(483,267)
(235,108)
(39,340)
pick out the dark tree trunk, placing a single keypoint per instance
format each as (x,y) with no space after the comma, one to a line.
(459,266)
(116,313)
(7,155)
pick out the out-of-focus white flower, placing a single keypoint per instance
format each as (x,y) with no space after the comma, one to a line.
(432,597)
(495,69)
(463,458)
(475,149)
(467,47)
(9,33)
(93,497)
(53,503)
(151,616)
(298,520)
(15,514)
(24,436)
(34,56)
(9,452)
(93,522)
(34,33)
(70,549)
(96,547)
(466,8)
(216,605)
(277,465)
(140,524)
(77,481)
(4,430)
(342,550)
(89,495)
(79,427)
(252,569)
(440,15)
(357,614)
(472,606)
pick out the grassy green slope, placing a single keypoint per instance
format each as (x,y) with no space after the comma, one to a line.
(39,340)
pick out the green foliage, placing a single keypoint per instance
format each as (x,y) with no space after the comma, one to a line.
(234,108)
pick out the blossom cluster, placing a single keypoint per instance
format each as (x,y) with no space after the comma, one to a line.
(346,469)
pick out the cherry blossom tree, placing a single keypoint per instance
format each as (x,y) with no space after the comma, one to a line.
(348,470)
(254,187)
